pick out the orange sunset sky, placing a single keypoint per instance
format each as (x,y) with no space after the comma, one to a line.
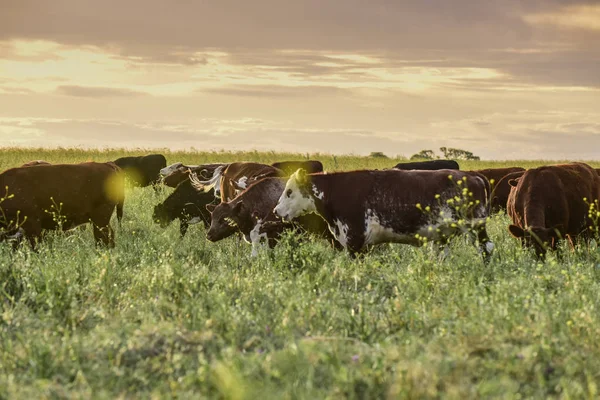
(504,79)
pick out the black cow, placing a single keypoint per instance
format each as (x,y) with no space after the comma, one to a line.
(187,204)
(428,165)
(143,170)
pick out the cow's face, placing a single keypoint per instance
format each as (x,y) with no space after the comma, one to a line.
(541,239)
(224,220)
(297,198)
(166,171)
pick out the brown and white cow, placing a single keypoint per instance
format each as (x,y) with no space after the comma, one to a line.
(364,208)
(251,213)
(62,196)
(500,186)
(176,173)
(550,203)
(231,179)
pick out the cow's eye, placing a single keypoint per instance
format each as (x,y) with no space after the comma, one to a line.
(288,193)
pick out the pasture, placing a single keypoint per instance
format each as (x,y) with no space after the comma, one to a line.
(160,317)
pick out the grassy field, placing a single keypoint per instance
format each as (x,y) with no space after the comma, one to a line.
(161,317)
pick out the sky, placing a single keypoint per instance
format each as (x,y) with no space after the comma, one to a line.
(505,79)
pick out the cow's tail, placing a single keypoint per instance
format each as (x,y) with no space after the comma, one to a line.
(214,182)
(120,210)
(116,189)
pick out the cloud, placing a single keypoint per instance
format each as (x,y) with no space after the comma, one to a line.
(273,91)
(96,92)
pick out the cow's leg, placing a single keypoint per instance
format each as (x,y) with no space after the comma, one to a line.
(486,246)
(183,227)
(33,231)
(101,222)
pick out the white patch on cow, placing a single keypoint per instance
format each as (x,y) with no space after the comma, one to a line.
(170,169)
(340,232)
(294,205)
(489,247)
(319,195)
(255,237)
(242,183)
(214,182)
(17,235)
(195,220)
(376,232)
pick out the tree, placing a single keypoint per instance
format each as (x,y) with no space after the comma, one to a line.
(424,155)
(458,154)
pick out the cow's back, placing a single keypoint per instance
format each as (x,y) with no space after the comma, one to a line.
(67,189)
(554,196)
(240,175)
(431,165)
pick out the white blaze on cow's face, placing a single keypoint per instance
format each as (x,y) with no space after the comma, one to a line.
(170,169)
(296,198)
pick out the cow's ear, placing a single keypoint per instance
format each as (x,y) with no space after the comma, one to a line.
(516,231)
(238,207)
(301,176)
(513,182)
(211,207)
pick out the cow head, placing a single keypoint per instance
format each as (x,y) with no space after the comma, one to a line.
(185,202)
(297,198)
(166,171)
(540,238)
(225,220)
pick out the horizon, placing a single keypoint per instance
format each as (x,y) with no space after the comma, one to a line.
(504,80)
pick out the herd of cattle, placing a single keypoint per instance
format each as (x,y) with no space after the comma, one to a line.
(411,203)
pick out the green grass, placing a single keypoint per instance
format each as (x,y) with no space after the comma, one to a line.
(160,316)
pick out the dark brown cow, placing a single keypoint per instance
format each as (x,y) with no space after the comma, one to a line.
(63,196)
(176,173)
(232,179)
(35,162)
(547,204)
(364,208)
(289,167)
(187,204)
(142,170)
(251,213)
(500,187)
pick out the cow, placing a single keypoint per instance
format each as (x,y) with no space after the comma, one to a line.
(62,196)
(550,203)
(289,167)
(142,170)
(500,188)
(428,165)
(251,213)
(35,162)
(231,179)
(187,204)
(176,173)
(364,208)
(501,191)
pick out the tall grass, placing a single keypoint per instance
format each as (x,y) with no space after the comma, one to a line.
(160,316)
